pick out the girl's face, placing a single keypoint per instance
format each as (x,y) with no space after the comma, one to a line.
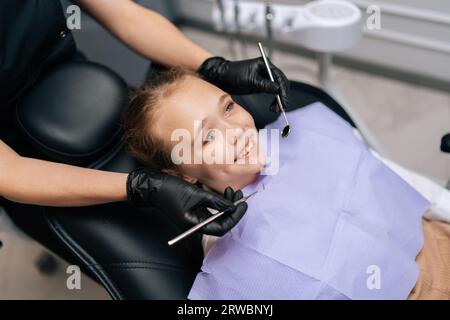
(218,138)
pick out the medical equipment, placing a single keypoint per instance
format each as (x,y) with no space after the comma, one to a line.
(237,13)
(225,28)
(323,25)
(210,219)
(287,128)
(269,16)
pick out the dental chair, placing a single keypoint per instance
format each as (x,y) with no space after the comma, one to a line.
(445,143)
(72,116)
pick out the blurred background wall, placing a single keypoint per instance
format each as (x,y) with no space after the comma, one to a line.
(413,44)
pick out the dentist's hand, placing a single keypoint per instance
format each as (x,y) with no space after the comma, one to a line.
(245,77)
(185,203)
(223,224)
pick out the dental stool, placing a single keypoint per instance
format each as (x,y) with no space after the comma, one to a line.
(72,116)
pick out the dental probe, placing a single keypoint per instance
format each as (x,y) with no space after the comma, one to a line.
(210,219)
(287,128)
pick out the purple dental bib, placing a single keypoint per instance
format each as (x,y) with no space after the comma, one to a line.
(333,223)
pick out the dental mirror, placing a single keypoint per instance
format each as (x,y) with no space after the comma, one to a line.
(287,128)
(286,131)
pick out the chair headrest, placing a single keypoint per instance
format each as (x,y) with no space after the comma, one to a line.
(72,114)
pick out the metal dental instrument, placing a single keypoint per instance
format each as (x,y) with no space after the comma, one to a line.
(210,219)
(287,128)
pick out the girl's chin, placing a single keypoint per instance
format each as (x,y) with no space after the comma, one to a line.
(237,179)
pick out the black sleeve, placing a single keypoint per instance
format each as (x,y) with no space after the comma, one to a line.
(33,36)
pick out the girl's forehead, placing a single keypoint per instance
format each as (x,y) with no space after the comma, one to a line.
(195,88)
(192,101)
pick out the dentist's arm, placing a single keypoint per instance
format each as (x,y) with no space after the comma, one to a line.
(146,32)
(38,182)
(33,181)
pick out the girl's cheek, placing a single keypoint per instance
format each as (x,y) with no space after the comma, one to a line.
(218,153)
(213,172)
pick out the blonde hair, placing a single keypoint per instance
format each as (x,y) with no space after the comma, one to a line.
(140,115)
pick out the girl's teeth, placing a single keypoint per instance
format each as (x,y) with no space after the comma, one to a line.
(246,151)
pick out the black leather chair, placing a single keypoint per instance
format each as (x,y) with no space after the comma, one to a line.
(72,116)
(445,143)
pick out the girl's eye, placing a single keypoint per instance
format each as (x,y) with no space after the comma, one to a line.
(229,107)
(209,137)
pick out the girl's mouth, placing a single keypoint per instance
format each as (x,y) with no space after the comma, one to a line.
(245,152)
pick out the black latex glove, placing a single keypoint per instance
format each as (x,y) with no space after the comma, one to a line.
(223,224)
(184,202)
(245,77)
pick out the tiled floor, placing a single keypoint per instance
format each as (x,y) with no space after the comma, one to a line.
(20,279)
(409,120)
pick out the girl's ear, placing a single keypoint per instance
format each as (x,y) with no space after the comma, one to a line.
(176,173)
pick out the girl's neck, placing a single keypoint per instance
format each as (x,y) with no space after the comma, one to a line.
(245,181)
